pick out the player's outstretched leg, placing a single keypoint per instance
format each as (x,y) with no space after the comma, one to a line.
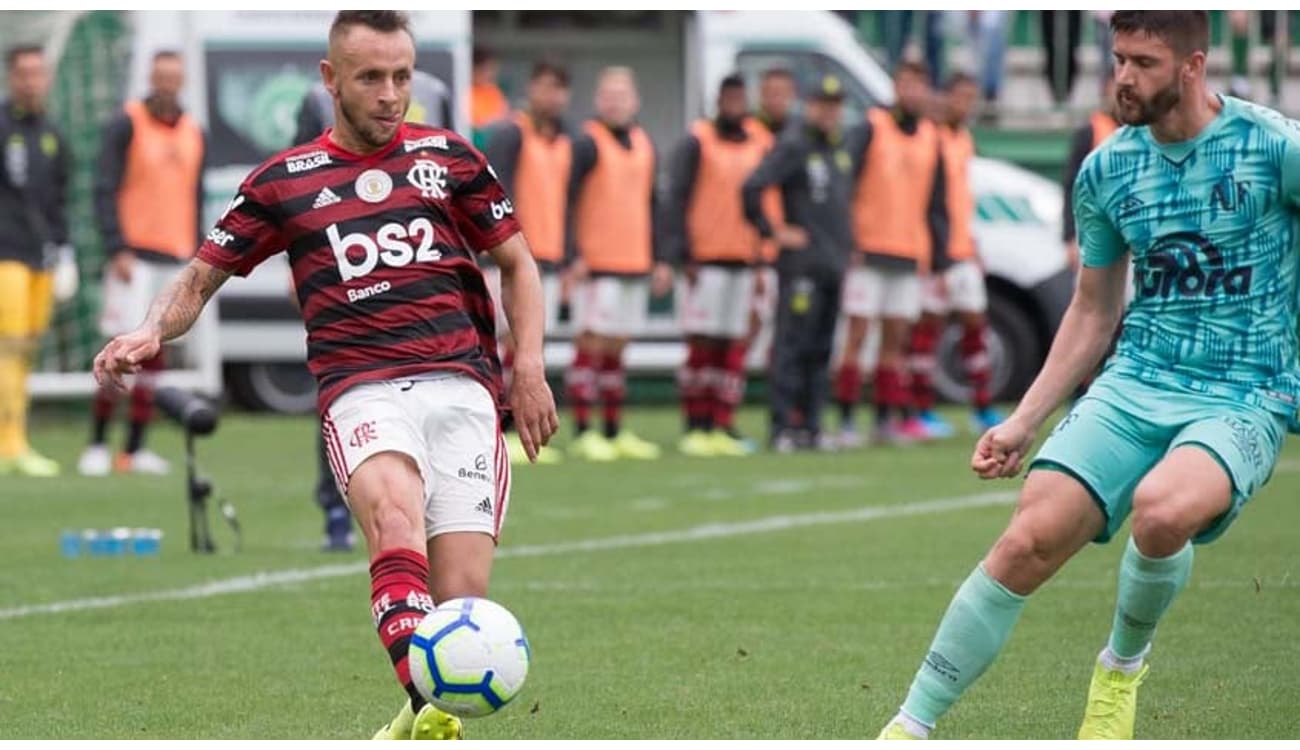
(1055,518)
(1181,496)
(460,564)
(387,496)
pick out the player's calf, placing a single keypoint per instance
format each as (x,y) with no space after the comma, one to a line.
(460,565)
(386,493)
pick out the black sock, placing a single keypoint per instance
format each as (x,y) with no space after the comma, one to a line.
(135,437)
(846,413)
(611,429)
(882,414)
(582,426)
(98,431)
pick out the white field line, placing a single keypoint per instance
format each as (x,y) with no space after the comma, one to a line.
(768,524)
(1283,582)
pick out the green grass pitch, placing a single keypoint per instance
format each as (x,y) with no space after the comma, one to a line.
(767,597)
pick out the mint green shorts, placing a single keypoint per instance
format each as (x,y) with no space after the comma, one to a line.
(1122,428)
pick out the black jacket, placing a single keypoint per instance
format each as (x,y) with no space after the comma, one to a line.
(33,187)
(815,174)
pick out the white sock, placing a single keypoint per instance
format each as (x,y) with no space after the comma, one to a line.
(913,726)
(1110,661)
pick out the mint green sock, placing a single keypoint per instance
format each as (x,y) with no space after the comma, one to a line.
(972,632)
(1147,586)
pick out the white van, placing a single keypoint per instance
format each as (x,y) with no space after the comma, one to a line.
(249,68)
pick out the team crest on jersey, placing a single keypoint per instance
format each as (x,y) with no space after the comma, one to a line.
(431,141)
(373,186)
(307,161)
(429,177)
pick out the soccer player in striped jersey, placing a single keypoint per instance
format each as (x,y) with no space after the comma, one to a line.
(381,220)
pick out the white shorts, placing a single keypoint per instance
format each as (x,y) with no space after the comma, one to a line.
(448,424)
(719,303)
(959,289)
(875,293)
(550,300)
(615,306)
(126,303)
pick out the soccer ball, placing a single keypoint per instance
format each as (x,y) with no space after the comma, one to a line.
(469,657)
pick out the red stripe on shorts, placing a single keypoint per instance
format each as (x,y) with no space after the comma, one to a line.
(334,449)
(502,461)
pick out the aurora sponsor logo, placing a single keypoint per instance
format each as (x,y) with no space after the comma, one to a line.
(1186,264)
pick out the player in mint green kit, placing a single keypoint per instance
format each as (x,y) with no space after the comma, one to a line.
(1187,419)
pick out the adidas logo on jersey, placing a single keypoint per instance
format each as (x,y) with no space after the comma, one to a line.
(326,197)
(484,506)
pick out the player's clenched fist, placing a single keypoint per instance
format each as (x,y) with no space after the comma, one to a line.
(124,354)
(1001,450)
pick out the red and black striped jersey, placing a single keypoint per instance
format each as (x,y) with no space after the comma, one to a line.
(382,248)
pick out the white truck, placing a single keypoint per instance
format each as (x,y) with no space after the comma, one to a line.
(248,70)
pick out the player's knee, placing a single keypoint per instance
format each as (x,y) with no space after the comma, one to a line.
(1021,559)
(1161,525)
(392,527)
(387,493)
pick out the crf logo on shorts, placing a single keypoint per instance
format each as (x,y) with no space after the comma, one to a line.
(363,434)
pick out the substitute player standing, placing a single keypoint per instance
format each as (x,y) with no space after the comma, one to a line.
(900,225)
(381,233)
(148,204)
(705,229)
(960,288)
(1187,420)
(612,202)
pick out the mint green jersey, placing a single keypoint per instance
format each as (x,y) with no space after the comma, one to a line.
(1213,225)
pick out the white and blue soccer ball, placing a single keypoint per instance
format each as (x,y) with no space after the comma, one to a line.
(469,657)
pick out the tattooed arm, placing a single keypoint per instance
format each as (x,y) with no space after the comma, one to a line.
(172,313)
